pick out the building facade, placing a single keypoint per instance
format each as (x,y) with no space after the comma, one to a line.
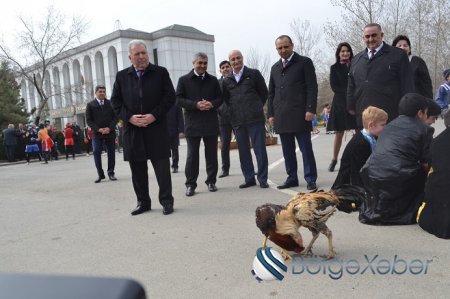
(71,79)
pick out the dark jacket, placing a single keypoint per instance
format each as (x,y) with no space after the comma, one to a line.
(245,98)
(340,119)
(223,111)
(421,77)
(175,121)
(435,216)
(191,89)
(101,116)
(292,93)
(381,81)
(353,159)
(151,142)
(393,175)
(10,136)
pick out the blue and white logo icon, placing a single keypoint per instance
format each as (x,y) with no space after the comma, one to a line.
(268,264)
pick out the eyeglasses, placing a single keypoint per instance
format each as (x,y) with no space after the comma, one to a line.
(373,35)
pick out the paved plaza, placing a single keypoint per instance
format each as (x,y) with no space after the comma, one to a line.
(55,220)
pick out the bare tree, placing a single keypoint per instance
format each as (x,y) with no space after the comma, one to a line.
(261,62)
(355,14)
(306,39)
(41,44)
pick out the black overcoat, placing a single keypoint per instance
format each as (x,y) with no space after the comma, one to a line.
(435,216)
(151,142)
(355,155)
(340,119)
(421,77)
(381,81)
(292,93)
(190,90)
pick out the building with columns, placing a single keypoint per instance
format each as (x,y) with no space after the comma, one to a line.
(72,78)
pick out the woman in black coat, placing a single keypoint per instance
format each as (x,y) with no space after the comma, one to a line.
(421,76)
(340,120)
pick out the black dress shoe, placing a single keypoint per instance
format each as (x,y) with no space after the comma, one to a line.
(190,191)
(112,178)
(224,174)
(311,186)
(287,185)
(246,185)
(140,209)
(264,185)
(332,165)
(167,210)
(212,187)
(174,169)
(98,180)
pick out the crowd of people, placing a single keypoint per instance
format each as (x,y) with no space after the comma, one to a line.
(382,93)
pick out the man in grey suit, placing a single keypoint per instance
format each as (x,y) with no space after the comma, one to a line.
(10,141)
(291,109)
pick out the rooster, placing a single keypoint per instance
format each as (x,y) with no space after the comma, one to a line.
(265,221)
(312,210)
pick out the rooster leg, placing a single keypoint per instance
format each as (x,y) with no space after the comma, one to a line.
(308,249)
(331,253)
(264,242)
(285,254)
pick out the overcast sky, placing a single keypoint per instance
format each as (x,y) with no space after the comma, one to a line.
(235,24)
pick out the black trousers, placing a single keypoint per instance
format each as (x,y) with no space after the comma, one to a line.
(174,141)
(139,177)
(225,140)
(10,152)
(193,160)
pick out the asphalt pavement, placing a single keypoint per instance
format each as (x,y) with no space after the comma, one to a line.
(55,220)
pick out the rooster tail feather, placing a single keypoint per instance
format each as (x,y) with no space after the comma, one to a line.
(350,197)
(286,223)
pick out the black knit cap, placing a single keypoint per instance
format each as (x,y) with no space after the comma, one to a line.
(446,73)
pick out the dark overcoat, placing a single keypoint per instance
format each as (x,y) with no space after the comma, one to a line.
(355,155)
(191,89)
(340,119)
(292,93)
(151,142)
(381,81)
(435,216)
(421,77)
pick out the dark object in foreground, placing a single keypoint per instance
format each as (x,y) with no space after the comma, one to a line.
(37,286)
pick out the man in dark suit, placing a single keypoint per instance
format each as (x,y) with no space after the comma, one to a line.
(199,94)
(142,95)
(292,105)
(379,76)
(245,92)
(175,125)
(10,141)
(102,120)
(225,127)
